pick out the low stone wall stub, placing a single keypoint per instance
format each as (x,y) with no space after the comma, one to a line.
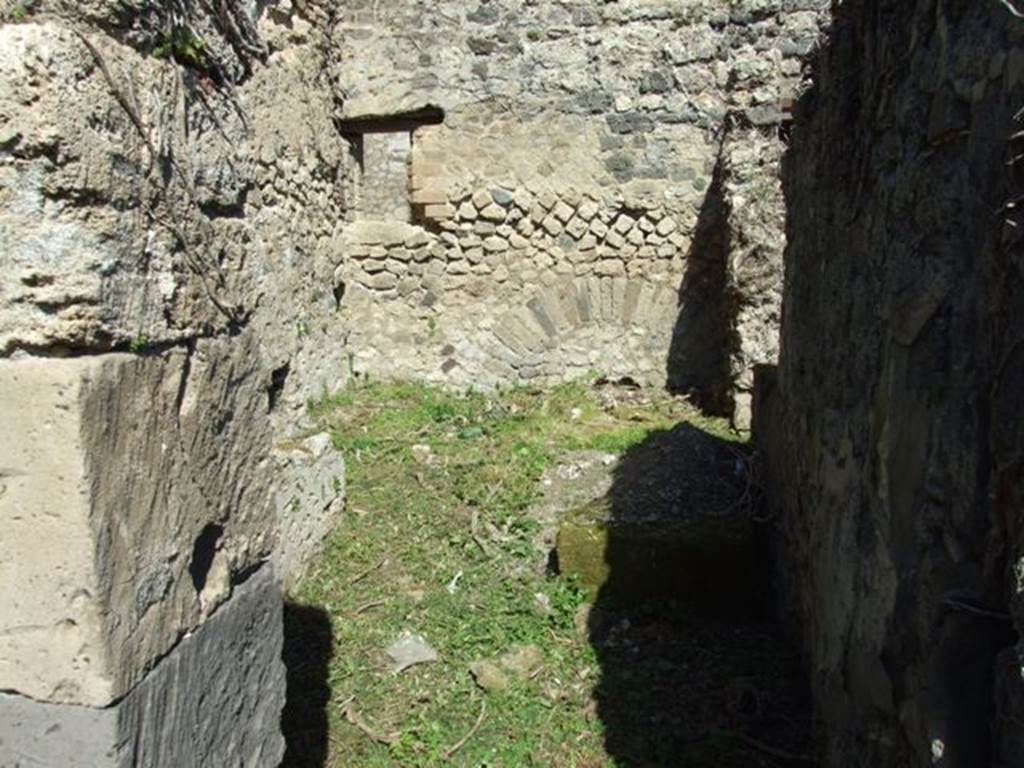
(309,479)
(215,699)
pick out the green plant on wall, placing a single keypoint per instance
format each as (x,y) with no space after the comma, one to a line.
(20,11)
(139,344)
(184,46)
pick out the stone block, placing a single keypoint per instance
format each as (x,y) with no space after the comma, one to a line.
(383,233)
(629,301)
(481,199)
(416,238)
(523,200)
(310,496)
(666,226)
(526,227)
(564,295)
(624,223)
(423,170)
(396,267)
(576,227)
(562,211)
(216,699)
(610,267)
(34,733)
(518,242)
(407,286)
(630,122)
(502,196)
(92,274)
(495,244)
(614,239)
(587,210)
(429,196)
(493,212)
(552,226)
(382,281)
(439,211)
(137,487)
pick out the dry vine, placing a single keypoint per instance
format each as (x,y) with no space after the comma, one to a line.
(174,19)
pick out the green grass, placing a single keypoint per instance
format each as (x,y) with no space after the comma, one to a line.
(409,530)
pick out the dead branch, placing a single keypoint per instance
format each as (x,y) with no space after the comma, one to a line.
(469,734)
(473,533)
(351,716)
(363,574)
(367,606)
(130,108)
(200,268)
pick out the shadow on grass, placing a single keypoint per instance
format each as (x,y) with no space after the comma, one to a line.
(307,653)
(693,670)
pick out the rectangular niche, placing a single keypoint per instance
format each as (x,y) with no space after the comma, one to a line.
(384,191)
(382,148)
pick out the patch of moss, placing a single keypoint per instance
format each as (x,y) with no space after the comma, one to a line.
(714,564)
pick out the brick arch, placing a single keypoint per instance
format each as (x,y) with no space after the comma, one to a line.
(627,321)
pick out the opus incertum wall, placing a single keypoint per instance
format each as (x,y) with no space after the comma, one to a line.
(531,290)
(572,211)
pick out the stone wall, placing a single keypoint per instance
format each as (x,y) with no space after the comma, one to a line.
(891,434)
(567,201)
(167,241)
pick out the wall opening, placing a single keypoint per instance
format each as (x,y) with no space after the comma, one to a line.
(382,149)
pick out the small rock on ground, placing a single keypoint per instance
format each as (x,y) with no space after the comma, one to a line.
(519,663)
(409,650)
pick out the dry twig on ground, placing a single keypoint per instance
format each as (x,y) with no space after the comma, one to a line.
(363,574)
(350,715)
(469,734)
